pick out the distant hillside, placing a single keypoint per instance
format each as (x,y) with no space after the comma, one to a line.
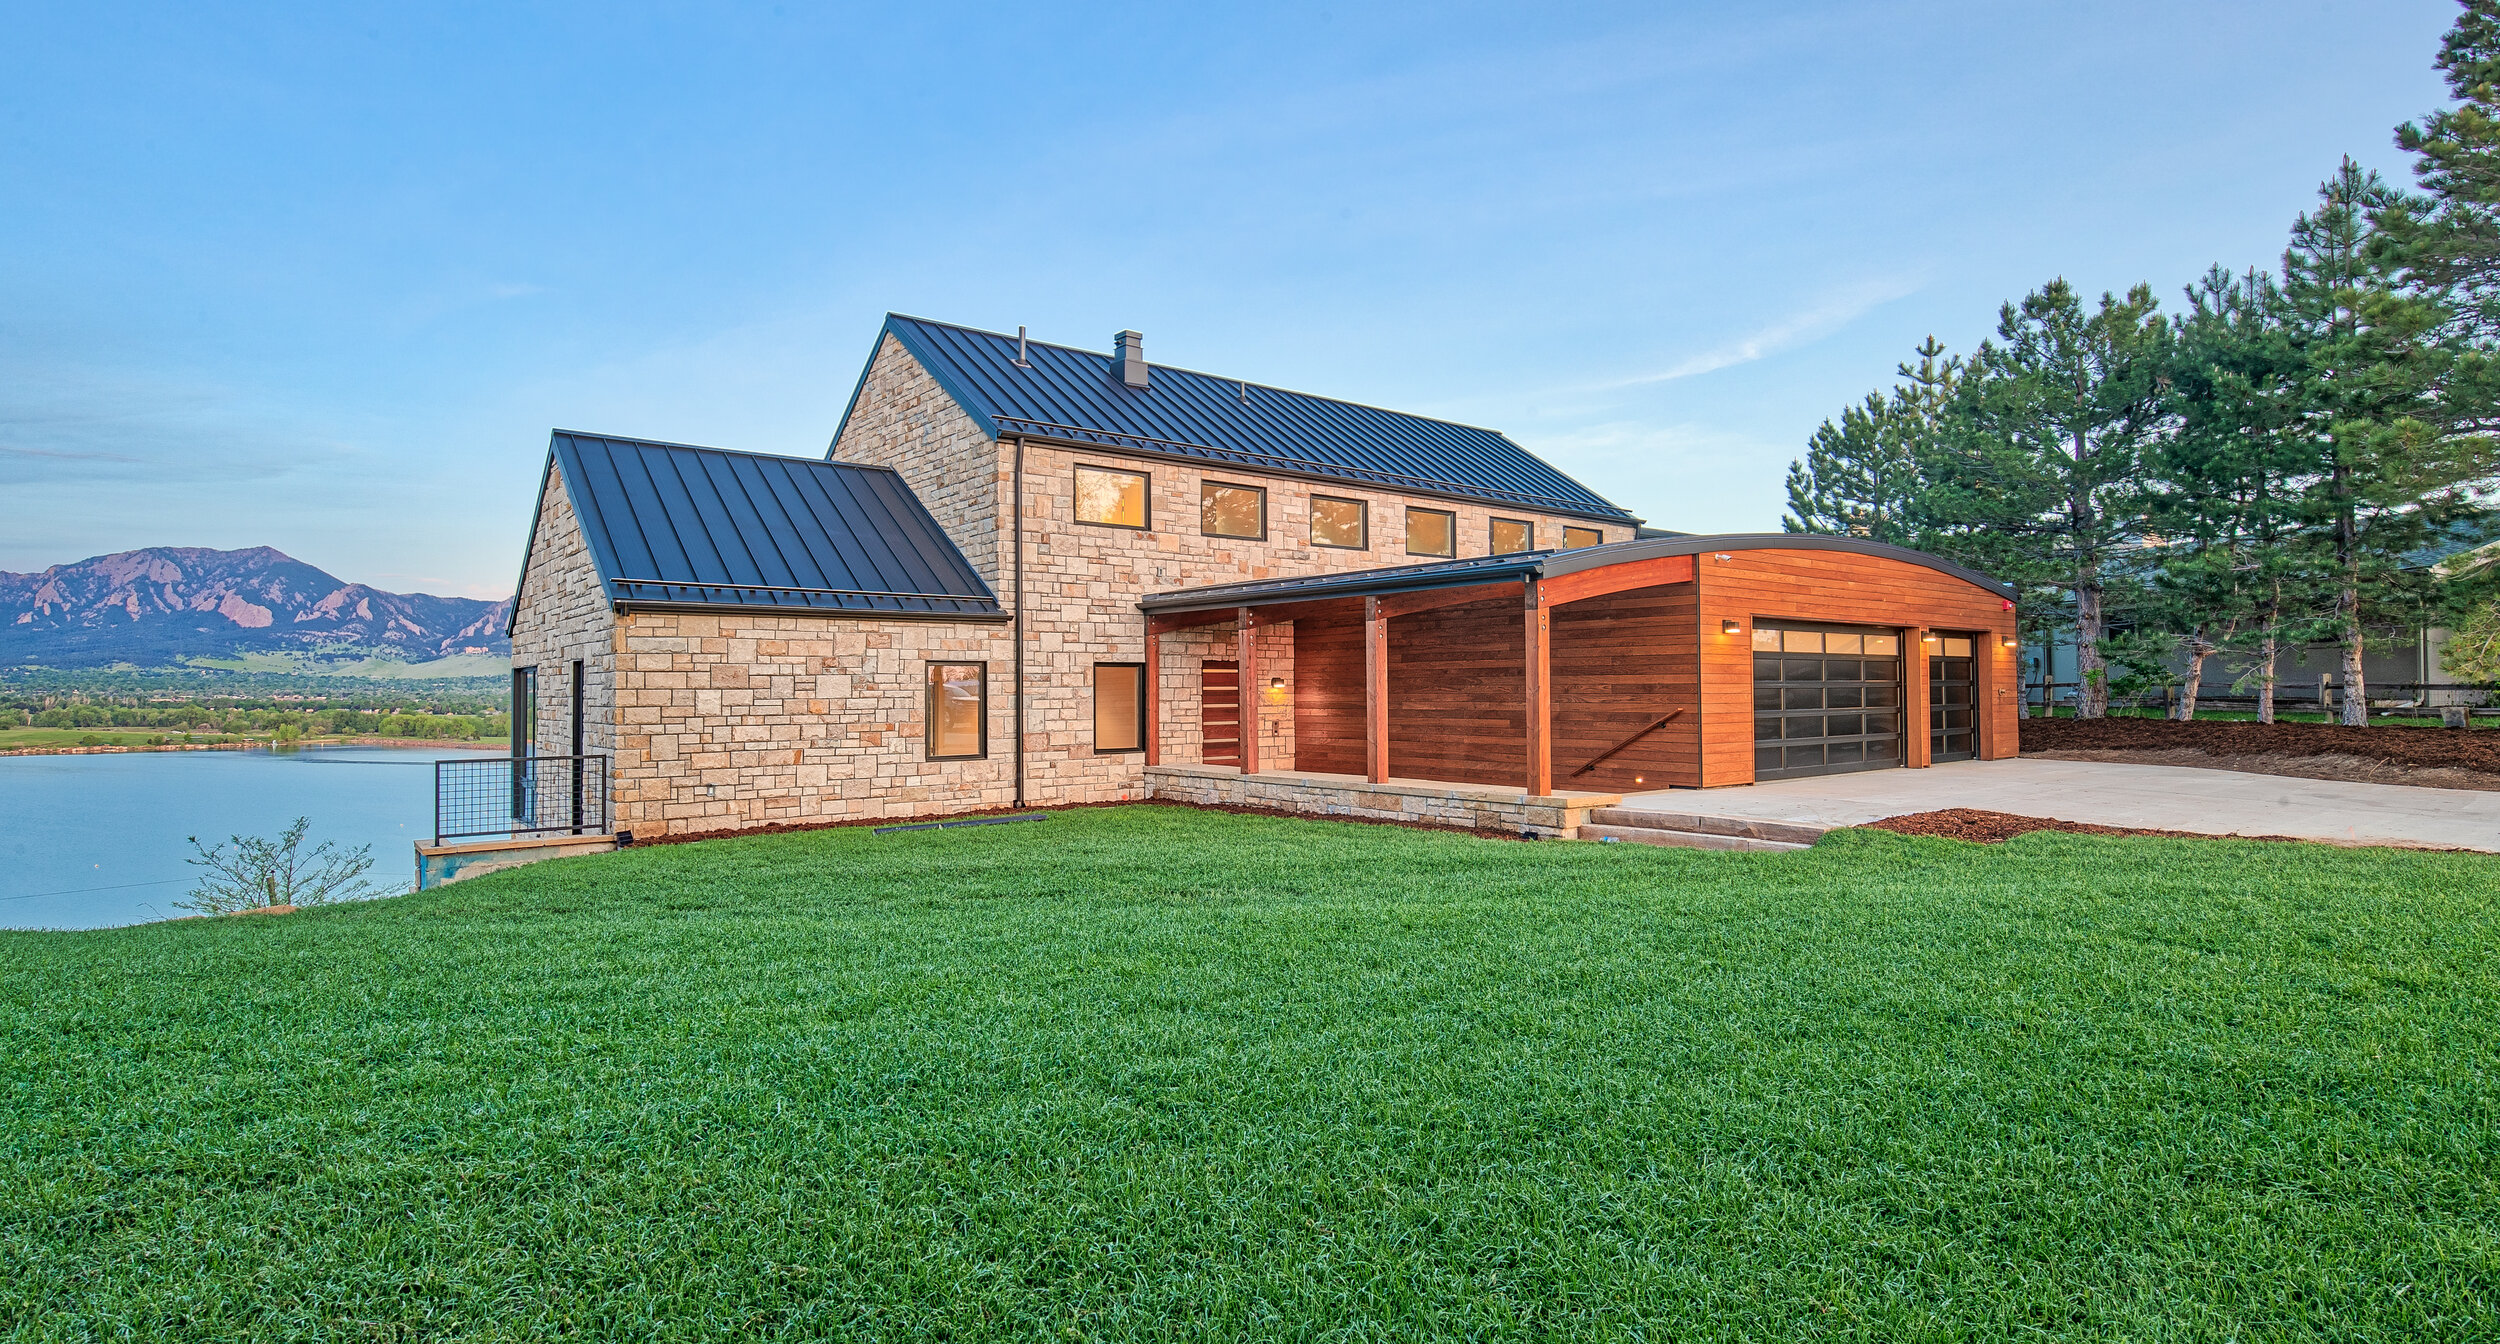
(171,605)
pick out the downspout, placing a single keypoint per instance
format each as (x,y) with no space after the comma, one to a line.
(1018,528)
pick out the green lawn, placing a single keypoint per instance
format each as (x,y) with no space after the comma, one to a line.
(1154,1073)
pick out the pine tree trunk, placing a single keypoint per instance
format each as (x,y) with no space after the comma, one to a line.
(2267,653)
(2092,697)
(2356,688)
(2197,655)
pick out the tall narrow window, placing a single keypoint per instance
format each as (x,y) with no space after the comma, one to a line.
(958,711)
(525,711)
(1341,523)
(1108,498)
(1577,537)
(1513,534)
(1119,707)
(1431,532)
(1232,511)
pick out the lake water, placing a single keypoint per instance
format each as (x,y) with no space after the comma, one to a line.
(92,841)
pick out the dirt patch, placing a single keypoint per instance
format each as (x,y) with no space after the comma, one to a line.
(790,828)
(2437,757)
(1987,828)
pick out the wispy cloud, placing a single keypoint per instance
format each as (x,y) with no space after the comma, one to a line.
(11,450)
(1833,312)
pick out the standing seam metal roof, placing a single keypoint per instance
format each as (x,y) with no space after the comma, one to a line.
(671,525)
(1071,395)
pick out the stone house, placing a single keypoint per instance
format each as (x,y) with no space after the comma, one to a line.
(1030,574)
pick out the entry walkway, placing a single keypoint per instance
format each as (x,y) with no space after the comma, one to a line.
(2162,797)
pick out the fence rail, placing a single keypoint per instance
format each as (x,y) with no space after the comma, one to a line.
(520,795)
(2386,697)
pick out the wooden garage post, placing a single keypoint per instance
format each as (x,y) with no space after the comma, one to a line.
(1245,639)
(1916,748)
(1540,702)
(1151,713)
(1375,692)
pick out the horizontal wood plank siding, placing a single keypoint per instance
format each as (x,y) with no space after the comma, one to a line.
(1456,677)
(1621,661)
(1842,588)
(1328,695)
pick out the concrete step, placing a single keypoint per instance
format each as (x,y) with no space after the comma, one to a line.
(1747,828)
(1652,835)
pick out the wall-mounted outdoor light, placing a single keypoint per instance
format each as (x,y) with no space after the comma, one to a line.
(1731,627)
(1276,683)
(2010,642)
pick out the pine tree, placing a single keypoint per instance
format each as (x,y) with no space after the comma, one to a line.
(2389,473)
(2044,448)
(1860,476)
(2453,236)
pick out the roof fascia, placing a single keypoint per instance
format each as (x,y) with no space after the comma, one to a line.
(1597,557)
(585,512)
(1349,584)
(512,618)
(715,608)
(1287,473)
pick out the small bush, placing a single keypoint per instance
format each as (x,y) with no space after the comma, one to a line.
(251,873)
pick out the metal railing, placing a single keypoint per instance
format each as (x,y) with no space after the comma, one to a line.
(503,796)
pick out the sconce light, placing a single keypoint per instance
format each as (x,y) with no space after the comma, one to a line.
(1731,627)
(1276,683)
(2010,642)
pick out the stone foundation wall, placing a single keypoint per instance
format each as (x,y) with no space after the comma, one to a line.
(1508,811)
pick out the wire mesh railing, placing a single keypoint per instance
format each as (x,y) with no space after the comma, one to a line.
(510,796)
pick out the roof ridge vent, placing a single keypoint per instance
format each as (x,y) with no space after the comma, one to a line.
(1128,359)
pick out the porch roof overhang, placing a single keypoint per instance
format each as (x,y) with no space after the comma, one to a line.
(1522,566)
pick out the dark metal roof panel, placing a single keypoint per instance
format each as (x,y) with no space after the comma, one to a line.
(1071,395)
(1538,564)
(678,526)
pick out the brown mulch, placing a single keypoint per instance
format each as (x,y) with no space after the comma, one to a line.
(794,828)
(2442,749)
(1987,828)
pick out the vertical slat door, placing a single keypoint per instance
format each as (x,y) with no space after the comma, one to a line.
(1219,712)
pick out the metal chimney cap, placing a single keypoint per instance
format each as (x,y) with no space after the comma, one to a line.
(1128,358)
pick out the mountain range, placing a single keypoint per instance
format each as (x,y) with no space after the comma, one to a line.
(174,605)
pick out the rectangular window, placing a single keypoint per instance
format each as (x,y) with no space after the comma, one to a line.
(958,711)
(1108,498)
(1119,707)
(1513,534)
(525,711)
(1431,532)
(1232,511)
(1576,537)
(1343,523)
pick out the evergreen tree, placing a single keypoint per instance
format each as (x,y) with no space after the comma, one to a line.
(1860,476)
(2453,236)
(2388,472)
(2040,469)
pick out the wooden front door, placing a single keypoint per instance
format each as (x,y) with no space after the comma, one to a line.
(1219,713)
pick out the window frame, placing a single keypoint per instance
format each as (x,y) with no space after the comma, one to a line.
(1494,548)
(1451,514)
(1569,528)
(1205,484)
(1146,497)
(1142,692)
(1363,522)
(929,714)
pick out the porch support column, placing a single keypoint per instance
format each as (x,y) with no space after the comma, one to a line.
(1540,700)
(1916,749)
(1375,692)
(1246,658)
(1152,710)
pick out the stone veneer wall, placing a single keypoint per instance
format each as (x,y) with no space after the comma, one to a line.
(1478,807)
(563,615)
(731,720)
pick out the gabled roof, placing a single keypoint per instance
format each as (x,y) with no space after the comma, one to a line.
(674,526)
(1534,564)
(1070,396)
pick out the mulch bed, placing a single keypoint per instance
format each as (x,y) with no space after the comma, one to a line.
(1987,828)
(794,828)
(2416,748)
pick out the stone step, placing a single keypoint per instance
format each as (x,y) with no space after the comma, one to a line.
(1651,835)
(1749,828)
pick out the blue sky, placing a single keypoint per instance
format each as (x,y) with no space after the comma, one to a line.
(324,280)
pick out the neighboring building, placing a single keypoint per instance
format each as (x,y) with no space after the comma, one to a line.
(953,611)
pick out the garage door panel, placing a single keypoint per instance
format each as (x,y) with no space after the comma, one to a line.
(1822,704)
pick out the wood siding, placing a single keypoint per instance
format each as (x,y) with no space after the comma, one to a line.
(1842,588)
(1621,661)
(1328,695)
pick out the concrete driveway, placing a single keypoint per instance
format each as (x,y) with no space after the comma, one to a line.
(2170,798)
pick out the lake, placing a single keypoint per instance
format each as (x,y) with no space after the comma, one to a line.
(92,841)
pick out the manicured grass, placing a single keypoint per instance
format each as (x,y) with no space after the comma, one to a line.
(1154,1073)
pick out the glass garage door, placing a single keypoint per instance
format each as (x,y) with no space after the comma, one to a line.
(1826,699)
(1952,696)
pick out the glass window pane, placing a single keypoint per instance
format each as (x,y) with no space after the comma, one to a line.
(1886,645)
(1766,697)
(1802,641)
(1956,647)
(1844,643)
(1118,697)
(1576,537)
(1835,669)
(1803,697)
(1111,498)
(1844,725)
(1431,532)
(1882,669)
(1766,758)
(1766,729)
(1338,522)
(955,709)
(1846,753)
(1766,639)
(1843,697)
(1232,510)
(1510,534)
(1880,751)
(1802,669)
(1879,697)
